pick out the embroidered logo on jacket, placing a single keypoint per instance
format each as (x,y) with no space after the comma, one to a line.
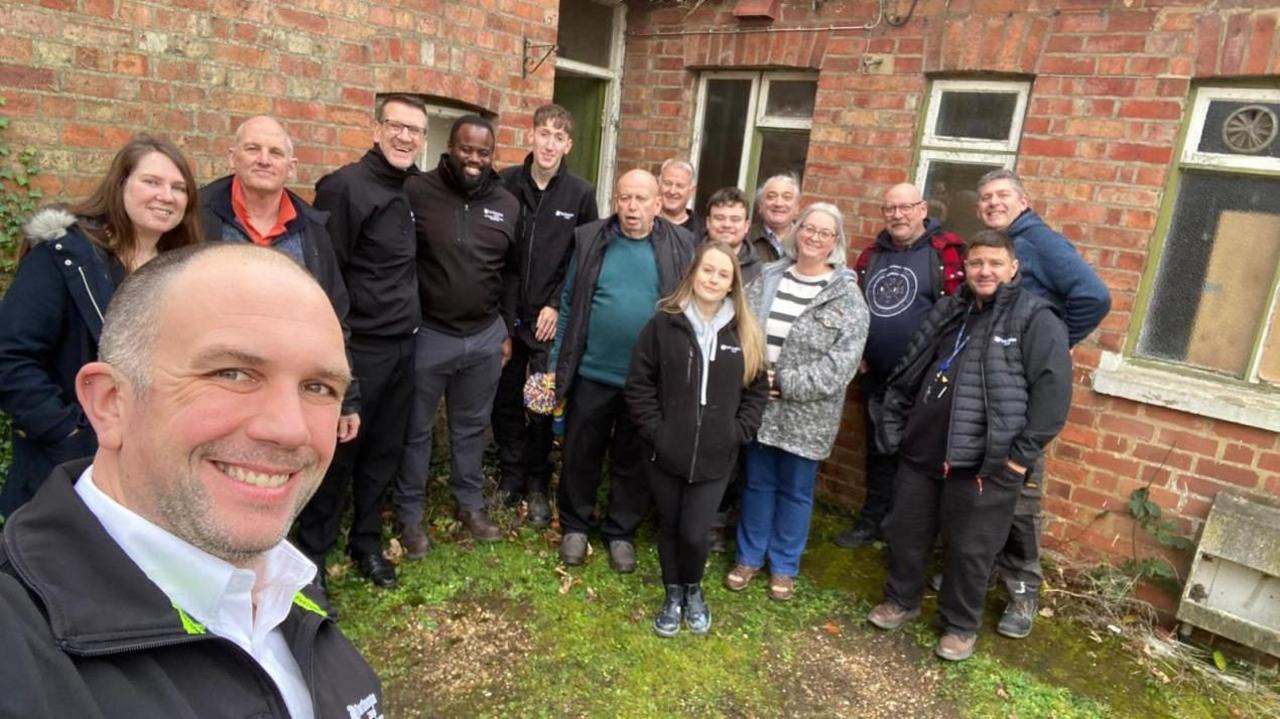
(366,708)
(565,215)
(494,215)
(731,348)
(1004,341)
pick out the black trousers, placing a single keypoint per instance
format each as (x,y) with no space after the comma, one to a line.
(596,422)
(1019,562)
(974,517)
(881,469)
(369,462)
(685,513)
(523,438)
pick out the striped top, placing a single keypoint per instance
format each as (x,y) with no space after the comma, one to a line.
(795,292)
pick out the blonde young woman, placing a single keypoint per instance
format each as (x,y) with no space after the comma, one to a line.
(696,391)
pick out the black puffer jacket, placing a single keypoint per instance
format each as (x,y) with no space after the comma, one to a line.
(663,392)
(85,634)
(547,222)
(1012,388)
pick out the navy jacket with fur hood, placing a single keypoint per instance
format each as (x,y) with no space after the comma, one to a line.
(50,322)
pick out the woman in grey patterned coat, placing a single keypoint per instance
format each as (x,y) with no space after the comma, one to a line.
(815,323)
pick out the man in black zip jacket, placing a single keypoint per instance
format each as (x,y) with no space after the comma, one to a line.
(465,223)
(156,581)
(982,387)
(372,231)
(553,202)
(622,265)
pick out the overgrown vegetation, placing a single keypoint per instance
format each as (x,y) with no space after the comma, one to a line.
(18,199)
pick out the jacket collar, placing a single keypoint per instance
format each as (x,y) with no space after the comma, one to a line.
(455,183)
(216,198)
(376,163)
(931,228)
(60,551)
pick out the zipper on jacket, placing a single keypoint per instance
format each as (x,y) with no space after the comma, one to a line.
(528,262)
(697,413)
(88,291)
(464,222)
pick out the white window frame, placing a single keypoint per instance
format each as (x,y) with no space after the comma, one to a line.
(1249,401)
(756,117)
(968,150)
(429,158)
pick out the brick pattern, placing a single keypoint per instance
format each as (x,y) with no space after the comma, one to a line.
(1111,83)
(81,76)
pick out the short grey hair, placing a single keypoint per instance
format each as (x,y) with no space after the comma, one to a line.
(679,165)
(1002,174)
(132,322)
(781,177)
(839,256)
(288,141)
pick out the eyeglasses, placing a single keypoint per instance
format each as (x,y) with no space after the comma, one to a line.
(904,208)
(395,128)
(824,235)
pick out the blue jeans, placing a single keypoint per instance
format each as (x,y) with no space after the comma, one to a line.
(777,504)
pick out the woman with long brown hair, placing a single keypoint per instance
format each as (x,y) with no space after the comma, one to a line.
(70,262)
(696,391)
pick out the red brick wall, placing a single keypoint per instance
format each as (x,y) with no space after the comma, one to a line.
(80,76)
(1111,83)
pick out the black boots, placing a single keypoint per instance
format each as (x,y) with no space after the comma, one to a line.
(697,615)
(667,623)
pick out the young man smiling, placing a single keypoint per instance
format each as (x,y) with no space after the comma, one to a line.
(553,203)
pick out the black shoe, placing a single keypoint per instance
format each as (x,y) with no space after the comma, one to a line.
(539,509)
(1019,615)
(376,569)
(667,623)
(859,536)
(697,615)
(477,523)
(414,541)
(573,548)
(716,541)
(622,556)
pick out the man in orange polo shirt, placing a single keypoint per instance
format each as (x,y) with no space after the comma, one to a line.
(252,205)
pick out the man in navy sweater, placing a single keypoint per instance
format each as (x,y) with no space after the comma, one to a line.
(1050,267)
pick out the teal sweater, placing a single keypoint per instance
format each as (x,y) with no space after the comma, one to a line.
(626,297)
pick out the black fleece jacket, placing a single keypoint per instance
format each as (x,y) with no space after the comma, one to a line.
(547,220)
(690,440)
(466,249)
(371,227)
(84,633)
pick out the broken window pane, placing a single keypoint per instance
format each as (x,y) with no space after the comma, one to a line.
(952,191)
(1216,273)
(979,115)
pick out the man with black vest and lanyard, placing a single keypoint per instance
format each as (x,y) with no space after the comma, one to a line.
(553,202)
(466,237)
(983,386)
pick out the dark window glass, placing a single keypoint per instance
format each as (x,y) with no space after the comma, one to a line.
(782,151)
(1216,272)
(951,189)
(792,99)
(980,115)
(586,29)
(724,122)
(1241,128)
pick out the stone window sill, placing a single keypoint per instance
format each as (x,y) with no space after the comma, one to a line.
(1120,377)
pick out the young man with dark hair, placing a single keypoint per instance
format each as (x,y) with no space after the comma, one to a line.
(728,221)
(465,224)
(983,386)
(553,203)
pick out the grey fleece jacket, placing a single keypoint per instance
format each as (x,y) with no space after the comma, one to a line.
(817,362)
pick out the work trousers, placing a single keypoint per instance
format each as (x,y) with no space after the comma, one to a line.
(974,516)
(384,368)
(596,422)
(685,512)
(464,372)
(1019,561)
(523,438)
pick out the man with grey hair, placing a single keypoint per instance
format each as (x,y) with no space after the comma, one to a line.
(216,406)
(1050,267)
(677,185)
(777,203)
(252,206)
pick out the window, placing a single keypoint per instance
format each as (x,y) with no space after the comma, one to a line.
(751,126)
(1207,341)
(971,127)
(1212,303)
